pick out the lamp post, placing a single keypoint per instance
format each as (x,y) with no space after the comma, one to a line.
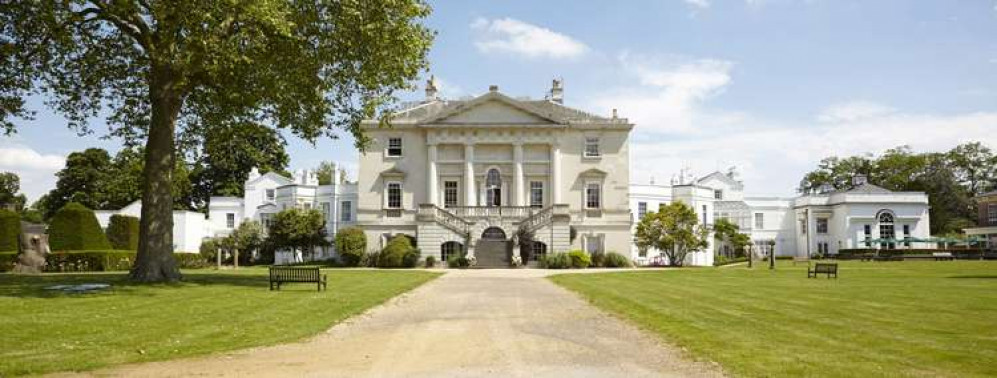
(751,255)
(771,244)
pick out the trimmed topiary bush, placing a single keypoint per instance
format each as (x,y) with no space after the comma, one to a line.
(351,244)
(580,259)
(122,232)
(458,262)
(398,254)
(559,260)
(75,228)
(616,260)
(431,261)
(7,260)
(10,229)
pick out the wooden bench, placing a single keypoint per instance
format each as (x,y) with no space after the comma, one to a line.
(284,274)
(823,268)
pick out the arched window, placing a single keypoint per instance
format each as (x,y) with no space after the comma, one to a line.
(450,249)
(493,188)
(539,250)
(887,230)
(493,233)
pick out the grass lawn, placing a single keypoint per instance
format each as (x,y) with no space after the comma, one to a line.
(211,311)
(877,319)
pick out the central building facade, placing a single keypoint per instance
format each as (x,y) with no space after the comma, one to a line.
(477,176)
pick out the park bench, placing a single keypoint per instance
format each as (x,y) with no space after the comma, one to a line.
(823,268)
(285,274)
(942,256)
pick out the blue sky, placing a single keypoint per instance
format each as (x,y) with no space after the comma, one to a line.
(769,86)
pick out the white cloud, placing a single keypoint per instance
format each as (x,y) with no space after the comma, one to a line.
(670,93)
(702,4)
(36,170)
(853,111)
(507,35)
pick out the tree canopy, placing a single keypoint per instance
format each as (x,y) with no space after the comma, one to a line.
(674,230)
(297,229)
(950,179)
(10,186)
(167,72)
(229,152)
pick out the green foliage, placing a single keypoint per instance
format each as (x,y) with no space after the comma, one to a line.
(245,239)
(370,259)
(191,261)
(209,250)
(327,173)
(109,260)
(559,260)
(229,152)
(75,228)
(674,230)
(399,253)
(10,231)
(598,259)
(580,259)
(431,261)
(122,232)
(616,260)
(10,184)
(32,216)
(721,260)
(297,229)
(7,260)
(351,245)
(458,262)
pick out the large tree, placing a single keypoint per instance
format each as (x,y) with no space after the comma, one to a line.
(297,229)
(10,185)
(674,230)
(229,151)
(168,69)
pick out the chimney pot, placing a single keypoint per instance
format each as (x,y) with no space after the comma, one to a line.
(493,88)
(431,89)
(557,91)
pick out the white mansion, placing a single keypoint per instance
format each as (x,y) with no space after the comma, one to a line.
(476,175)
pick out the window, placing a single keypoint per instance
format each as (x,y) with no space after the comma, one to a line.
(326,211)
(641,210)
(593,196)
(992,214)
(704,214)
(821,225)
(267,220)
(592,147)
(718,194)
(886,230)
(907,235)
(759,221)
(394,147)
(394,195)
(449,193)
(493,188)
(868,235)
(803,226)
(230,220)
(642,252)
(538,251)
(593,244)
(536,194)
(450,249)
(307,205)
(271,194)
(346,211)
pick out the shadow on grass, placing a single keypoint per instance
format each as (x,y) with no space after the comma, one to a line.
(34,286)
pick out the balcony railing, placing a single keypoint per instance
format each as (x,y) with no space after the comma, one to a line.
(493,211)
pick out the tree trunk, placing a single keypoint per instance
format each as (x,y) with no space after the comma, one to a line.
(155,261)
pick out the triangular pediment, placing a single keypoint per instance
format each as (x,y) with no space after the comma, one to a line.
(492,109)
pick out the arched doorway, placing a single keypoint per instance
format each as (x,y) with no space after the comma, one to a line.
(450,249)
(493,188)
(493,233)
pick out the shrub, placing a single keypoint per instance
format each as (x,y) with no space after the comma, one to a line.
(721,260)
(7,260)
(580,259)
(122,232)
(191,261)
(209,250)
(75,228)
(559,260)
(598,259)
(399,254)
(616,260)
(430,261)
(370,259)
(458,262)
(108,260)
(10,230)
(351,244)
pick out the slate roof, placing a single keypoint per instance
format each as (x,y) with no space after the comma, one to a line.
(866,188)
(423,110)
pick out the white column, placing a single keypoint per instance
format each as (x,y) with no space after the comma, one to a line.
(470,195)
(555,173)
(432,187)
(517,178)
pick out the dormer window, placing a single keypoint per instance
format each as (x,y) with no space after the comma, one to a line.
(394,147)
(270,195)
(592,147)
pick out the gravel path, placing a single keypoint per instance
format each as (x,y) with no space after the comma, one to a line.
(469,323)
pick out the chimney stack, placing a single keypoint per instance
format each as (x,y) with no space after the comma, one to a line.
(557,91)
(493,88)
(431,90)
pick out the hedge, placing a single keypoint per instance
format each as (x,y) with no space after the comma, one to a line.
(75,228)
(7,260)
(399,253)
(898,252)
(108,260)
(122,232)
(351,244)
(10,229)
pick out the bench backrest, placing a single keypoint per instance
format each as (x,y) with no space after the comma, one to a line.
(825,268)
(289,273)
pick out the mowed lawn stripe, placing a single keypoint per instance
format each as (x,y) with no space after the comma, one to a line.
(211,311)
(879,319)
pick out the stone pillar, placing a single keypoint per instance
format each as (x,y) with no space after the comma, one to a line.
(432,189)
(470,195)
(555,173)
(517,178)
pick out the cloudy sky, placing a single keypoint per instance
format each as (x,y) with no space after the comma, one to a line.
(768,86)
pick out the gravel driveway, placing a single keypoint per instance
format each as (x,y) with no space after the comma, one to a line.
(469,323)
